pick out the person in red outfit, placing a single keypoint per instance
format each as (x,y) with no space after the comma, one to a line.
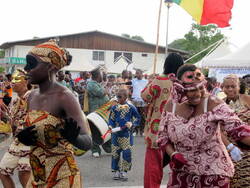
(156,94)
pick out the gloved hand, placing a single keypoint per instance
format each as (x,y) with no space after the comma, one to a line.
(177,161)
(129,124)
(70,130)
(28,136)
(235,152)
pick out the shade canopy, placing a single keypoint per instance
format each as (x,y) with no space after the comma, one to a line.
(238,59)
(222,50)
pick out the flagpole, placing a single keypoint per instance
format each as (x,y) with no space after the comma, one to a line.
(168,4)
(157,38)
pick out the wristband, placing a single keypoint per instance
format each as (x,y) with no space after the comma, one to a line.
(230,147)
(116,129)
(172,154)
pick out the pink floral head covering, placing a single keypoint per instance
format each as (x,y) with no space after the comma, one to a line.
(190,80)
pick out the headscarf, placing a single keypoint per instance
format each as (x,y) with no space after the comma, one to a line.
(190,80)
(50,52)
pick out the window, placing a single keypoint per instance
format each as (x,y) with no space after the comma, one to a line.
(144,55)
(128,56)
(117,54)
(98,55)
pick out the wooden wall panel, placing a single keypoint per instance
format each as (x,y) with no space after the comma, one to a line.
(97,40)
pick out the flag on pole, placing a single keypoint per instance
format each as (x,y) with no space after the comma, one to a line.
(208,11)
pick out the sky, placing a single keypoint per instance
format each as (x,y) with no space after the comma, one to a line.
(25,19)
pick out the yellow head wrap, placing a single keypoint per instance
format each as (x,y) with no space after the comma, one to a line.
(50,52)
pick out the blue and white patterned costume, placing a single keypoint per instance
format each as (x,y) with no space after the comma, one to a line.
(122,141)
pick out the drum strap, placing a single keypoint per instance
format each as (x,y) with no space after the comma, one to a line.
(86,102)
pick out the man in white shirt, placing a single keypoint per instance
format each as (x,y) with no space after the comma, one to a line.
(138,84)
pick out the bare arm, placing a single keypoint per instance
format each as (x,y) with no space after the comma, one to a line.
(170,149)
(230,122)
(73,110)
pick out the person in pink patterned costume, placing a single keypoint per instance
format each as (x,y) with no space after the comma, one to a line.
(190,133)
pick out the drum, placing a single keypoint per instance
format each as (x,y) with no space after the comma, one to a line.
(5,134)
(98,122)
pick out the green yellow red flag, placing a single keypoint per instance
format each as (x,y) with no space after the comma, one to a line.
(208,11)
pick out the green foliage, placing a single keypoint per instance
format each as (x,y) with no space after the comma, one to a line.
(136,37)
(2,69)
(1,53)
(197,39)
(126,35)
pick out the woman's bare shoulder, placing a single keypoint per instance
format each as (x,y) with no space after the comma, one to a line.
(246,99)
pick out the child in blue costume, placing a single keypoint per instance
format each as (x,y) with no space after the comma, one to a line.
(123,117)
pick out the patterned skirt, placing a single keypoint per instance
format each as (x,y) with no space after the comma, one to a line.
(67,182)
(242,170)
(185,180)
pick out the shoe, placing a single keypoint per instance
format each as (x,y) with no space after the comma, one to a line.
(116,175)
(96,155)
(123,176)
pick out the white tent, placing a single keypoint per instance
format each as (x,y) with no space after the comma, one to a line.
(240,59)
(221,50)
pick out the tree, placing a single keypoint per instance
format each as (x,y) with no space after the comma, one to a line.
(1,53)
(135,37)
(2,69)
(197,39)
(126,35)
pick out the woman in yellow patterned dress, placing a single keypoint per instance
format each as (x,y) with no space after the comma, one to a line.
(240,103)
(54,121)
(17,155)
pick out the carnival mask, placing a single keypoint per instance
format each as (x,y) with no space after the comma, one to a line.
(192,76)
(18,76)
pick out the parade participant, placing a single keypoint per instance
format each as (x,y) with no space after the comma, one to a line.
(190,133)
(69,80)
(111,86)
(156,94)
(8,91)
(240,103)
(80,88)
(130,75)
(213,86)
(81,77)
(138,84)
(123,80)
(123,117)
(54,121)
(97,96)
(246,79)
(17,156)
(60,78)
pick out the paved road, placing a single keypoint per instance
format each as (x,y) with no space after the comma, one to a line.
(96,171)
